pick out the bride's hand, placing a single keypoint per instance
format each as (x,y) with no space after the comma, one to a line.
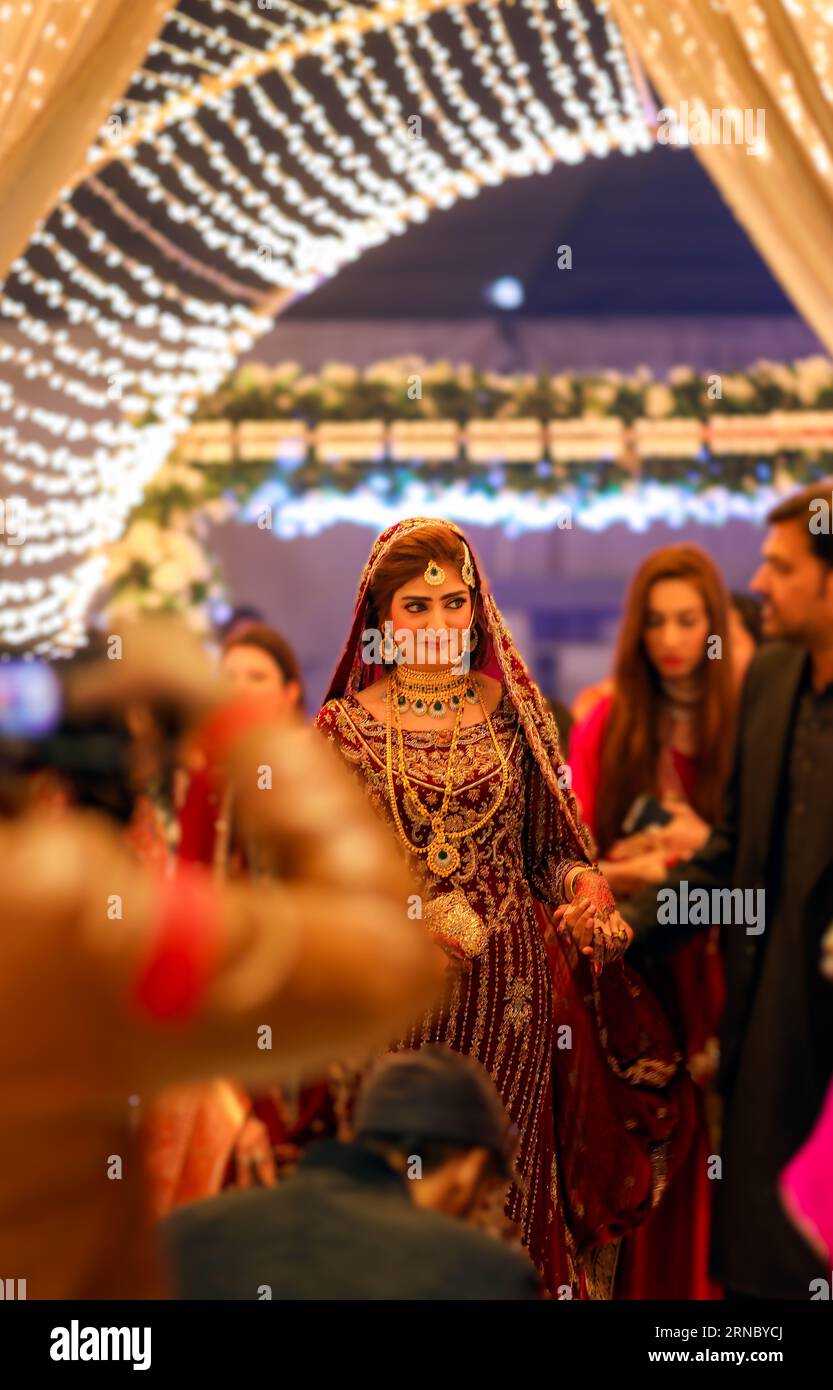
(611,938)
(597,929)
(574,922)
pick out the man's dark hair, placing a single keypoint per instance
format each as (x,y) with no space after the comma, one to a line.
(433,1153)
(90,750)
(749,611)
(798,508)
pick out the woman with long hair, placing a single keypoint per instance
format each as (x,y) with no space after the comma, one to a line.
(649,768)
(434,709)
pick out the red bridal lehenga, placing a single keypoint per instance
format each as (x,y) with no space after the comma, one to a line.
(586,1067)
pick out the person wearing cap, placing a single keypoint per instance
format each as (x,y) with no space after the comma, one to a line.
(385,1216)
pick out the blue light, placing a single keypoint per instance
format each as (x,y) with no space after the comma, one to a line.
(506,292)
(221,611)
(287,463)
(30,699)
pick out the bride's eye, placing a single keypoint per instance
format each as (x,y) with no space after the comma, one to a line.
(415,606)
(455,603)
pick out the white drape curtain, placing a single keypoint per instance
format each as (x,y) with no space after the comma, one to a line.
(62,65)
(758,56)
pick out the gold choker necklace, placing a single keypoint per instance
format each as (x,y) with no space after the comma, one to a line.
(428,692)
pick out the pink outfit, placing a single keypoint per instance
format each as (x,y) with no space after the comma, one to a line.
(807,1184)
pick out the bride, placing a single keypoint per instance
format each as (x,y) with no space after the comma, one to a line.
(433,707)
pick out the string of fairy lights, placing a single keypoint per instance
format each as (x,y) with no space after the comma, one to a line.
(259,148)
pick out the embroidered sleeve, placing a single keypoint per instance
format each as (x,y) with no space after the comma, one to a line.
(549,852)
(326,720)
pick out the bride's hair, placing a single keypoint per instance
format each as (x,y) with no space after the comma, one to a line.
(408,559)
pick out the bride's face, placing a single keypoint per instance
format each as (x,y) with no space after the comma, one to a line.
(442,608)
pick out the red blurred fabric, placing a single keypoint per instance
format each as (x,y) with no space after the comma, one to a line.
(178,971)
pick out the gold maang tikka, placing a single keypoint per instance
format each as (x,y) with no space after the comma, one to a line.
(467,571)
(435,574)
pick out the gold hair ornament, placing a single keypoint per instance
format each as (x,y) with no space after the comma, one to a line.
(467,572)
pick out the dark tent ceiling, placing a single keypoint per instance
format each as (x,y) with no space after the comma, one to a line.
(648,234)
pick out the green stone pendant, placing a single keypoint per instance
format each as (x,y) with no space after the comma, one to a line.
(443,858)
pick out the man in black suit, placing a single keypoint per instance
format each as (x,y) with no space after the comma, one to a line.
(384,1217)
(777,835)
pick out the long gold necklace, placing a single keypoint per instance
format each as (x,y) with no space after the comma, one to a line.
(442,854)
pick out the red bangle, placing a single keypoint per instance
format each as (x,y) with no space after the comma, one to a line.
(185,949)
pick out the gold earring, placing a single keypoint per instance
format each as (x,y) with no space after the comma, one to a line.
(434,573)
(389,650)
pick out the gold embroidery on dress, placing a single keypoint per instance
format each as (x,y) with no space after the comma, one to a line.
(644,1071)
(659,1171)
(428,753)
(555,1194)
(518,1001)
(599,1267)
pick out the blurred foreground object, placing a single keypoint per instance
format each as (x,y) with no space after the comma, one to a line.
(115,982)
